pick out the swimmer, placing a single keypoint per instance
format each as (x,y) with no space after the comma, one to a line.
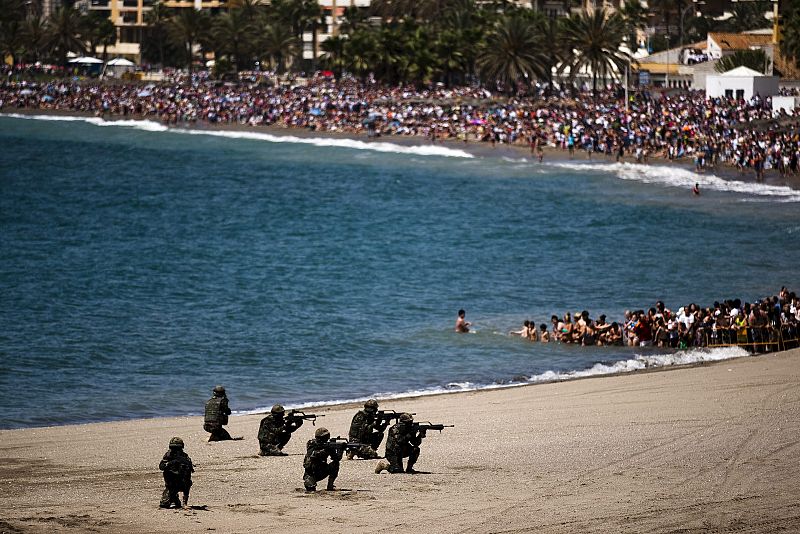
(696,189)
(462,326)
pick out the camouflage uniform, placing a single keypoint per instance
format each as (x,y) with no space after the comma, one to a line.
(316,463)
(217,412)
(275,432)
(178,469)
(365,429)
(403,442)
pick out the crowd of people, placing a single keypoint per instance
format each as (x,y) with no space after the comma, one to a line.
(769,324)
(744,133)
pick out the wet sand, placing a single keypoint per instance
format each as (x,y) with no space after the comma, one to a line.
(712,448)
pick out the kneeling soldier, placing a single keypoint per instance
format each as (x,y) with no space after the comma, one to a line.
(403,442)
(316,461)
(178,469)
(216,415)
(275,432)
(367,429)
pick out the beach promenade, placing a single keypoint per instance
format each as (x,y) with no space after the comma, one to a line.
(712,448)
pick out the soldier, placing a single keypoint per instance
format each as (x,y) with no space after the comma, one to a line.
(217,413)
(403,441)
(275,432)
(367,430)
(316,461)
(178,469)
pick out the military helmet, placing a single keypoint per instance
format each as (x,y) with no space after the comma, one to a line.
(322,434)
(277,409)
(219,391)
(371,405)
(406,418)
(176,443)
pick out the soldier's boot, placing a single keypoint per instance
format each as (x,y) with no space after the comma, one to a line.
(368,453)
(186,499)
(331,480)
(165,499)
(383,465)
(310,483)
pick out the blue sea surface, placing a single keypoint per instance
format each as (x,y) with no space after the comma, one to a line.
(140,267)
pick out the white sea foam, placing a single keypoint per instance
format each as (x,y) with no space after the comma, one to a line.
(419,150)
(685,179)
(148,126)
(637,363)
(354,144)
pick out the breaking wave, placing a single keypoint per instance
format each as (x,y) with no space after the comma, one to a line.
(637,363)
(684,178)
(354,144)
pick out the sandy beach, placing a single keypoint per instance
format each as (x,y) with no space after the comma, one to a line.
(712,448)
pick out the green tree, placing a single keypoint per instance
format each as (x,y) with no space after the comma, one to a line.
(790,42)
(333,57)
(748,16)
(512,53)
(276,44)
(752,59)
(34,33)
(12,31)
(187,29)
(595,38)
(236,34)
(156,45)
(64,34)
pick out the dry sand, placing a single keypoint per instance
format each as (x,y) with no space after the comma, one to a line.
(713,448)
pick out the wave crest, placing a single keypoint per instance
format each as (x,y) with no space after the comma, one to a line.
(335,142)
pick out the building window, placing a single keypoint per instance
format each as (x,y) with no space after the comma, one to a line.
(740,93)
(728,93)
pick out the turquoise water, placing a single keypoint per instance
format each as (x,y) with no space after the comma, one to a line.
(140,267)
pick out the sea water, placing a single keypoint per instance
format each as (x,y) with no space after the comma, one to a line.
(141,266)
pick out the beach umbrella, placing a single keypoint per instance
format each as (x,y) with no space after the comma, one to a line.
(86,61)
(26,92)
(144,93)
(48,98)
(121,62)
(316,112)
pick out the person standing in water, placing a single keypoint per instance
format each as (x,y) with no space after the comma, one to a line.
(462,326)
(696,189)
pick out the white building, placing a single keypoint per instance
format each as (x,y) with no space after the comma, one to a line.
(741,82)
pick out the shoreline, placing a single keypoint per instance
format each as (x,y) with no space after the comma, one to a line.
(418,395)
(711,448)
(475,148)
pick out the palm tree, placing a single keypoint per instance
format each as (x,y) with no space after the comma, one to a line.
(157,29)
(107,33)
(277,43)
(748,16)
(595,38)
(512,52)
(360,53)
(63,33)
(334,54)
(34,35)
(790,46)
(636,19)
(235,34)
(752,59)
(187,29)
(12,35)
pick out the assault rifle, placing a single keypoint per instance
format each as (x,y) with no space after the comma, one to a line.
(295,416)
(339,445)
(387,416)
(427,425)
